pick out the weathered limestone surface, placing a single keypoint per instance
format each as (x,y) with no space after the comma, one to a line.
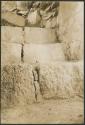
(53,80)
(10,53)
(13,18)
(40,35)
(43,53)
(74,50)
(71,28)
(61,79)
(11,34)
(17,85)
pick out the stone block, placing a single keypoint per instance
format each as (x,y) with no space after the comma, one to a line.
(17,85)
(43,53)
(40,35)
(22,5)
(10,53)
(13,18)
(62,79)
(11,34)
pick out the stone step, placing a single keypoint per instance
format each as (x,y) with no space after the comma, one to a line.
(40,35)
(55,80)
(43,52)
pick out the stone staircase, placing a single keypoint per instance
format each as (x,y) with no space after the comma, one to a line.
(34,67)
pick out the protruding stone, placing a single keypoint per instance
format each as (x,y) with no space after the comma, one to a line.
(13,18)
(8,5)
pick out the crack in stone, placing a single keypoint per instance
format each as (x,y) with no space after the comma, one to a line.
(22,45)
(22,53)
(36,82)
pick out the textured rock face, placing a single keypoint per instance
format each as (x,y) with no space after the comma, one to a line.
(71,22)
(61,79)
(11,34)
(17,85)
(35,13)
(23,84)
(43,53)
(10,53)
(40,35)
(8,5)
(74,50)
(22,5)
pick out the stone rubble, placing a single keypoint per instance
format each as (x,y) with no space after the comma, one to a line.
(33,12)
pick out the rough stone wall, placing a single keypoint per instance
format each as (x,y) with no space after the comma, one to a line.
(35,13)
(71,29)
(41,51)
